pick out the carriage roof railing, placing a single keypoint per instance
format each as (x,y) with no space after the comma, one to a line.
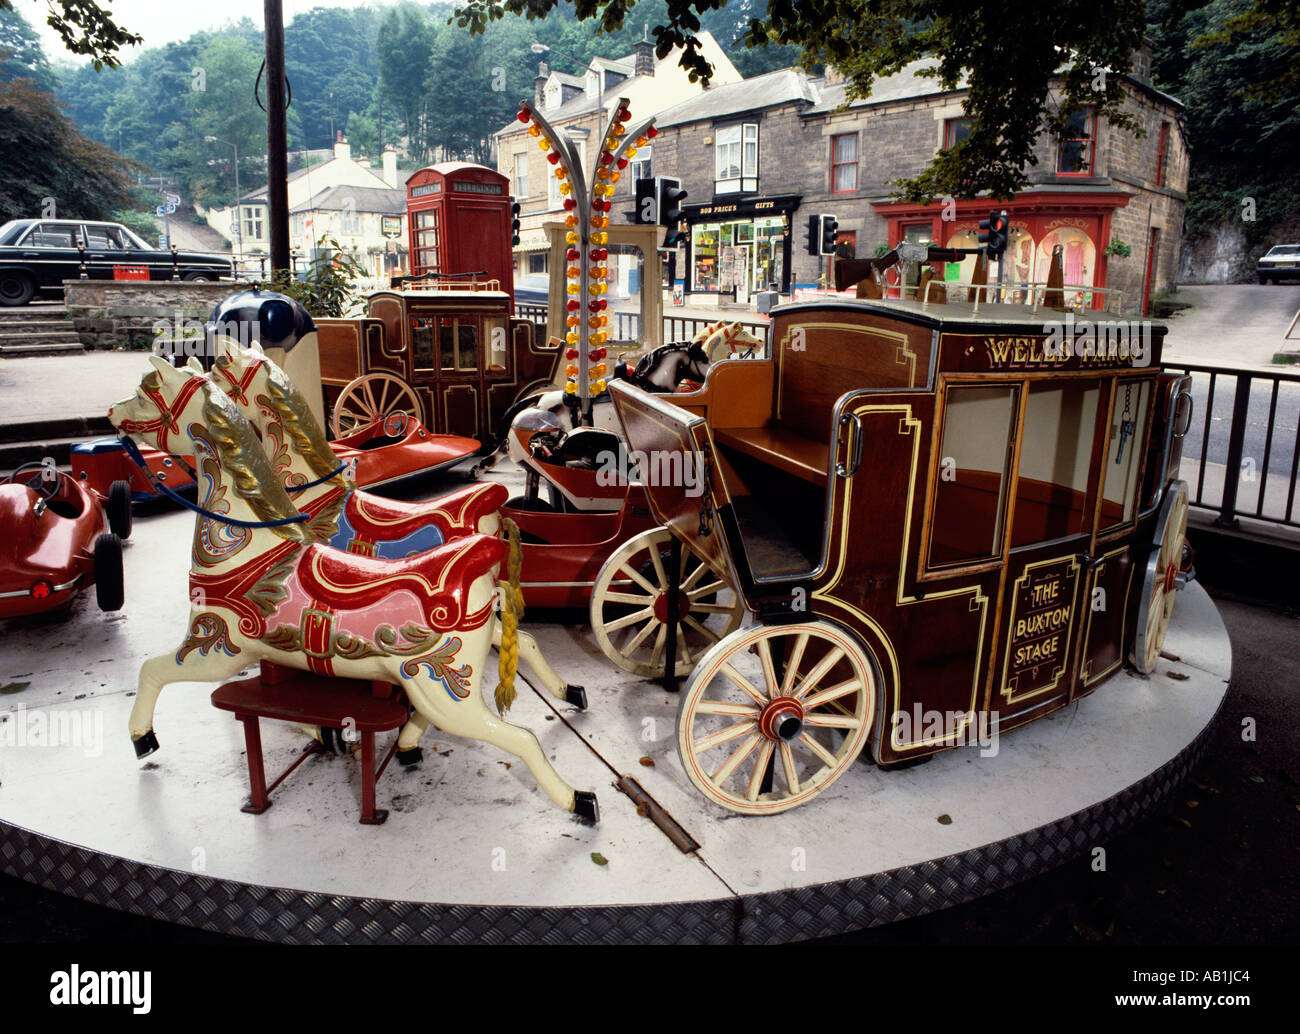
(1076,297)
(446,282)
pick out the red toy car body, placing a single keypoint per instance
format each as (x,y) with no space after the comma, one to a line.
(55,541)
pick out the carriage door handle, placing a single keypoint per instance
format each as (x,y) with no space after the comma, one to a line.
(1191,405)
(855,439)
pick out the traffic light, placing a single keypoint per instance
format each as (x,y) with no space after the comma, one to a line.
(830,227)
(514,222)
(671,215)
(994,233)
(647,201)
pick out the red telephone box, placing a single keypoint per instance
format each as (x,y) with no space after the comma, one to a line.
(458,216)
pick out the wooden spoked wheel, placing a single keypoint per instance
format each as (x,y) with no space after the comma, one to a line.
(1160,580)
(374,396)
(629,606)
(774,714)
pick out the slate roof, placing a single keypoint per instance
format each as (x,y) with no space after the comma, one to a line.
(762,91)
(384,200)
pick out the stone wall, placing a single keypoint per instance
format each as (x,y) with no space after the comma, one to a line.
(120,314)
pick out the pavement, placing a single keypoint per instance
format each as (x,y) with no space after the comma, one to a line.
(67,386)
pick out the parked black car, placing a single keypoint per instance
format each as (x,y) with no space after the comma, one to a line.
(1281,262)
(37,255)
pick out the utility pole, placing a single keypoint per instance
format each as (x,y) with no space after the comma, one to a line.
(277,160)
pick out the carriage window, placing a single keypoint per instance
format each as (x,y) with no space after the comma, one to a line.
(1124,451)
(1055,460)
(971,477)
(458,344)
(498,349)
(422,341)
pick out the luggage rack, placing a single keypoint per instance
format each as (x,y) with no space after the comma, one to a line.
(446,282)
(1037,291)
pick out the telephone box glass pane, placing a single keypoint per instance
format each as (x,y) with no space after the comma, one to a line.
(1123,451)
(1055,460)
(970,483)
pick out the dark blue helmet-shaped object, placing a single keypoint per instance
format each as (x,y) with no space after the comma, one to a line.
(271,319)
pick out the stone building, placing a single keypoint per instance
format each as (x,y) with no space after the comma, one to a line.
(757,158)
(579,107)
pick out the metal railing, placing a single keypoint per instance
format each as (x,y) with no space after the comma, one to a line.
(1260,452)
(532,313)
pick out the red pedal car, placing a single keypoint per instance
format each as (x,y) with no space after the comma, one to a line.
(56,540)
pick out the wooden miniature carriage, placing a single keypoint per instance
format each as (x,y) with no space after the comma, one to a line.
(945,517)
(447,351)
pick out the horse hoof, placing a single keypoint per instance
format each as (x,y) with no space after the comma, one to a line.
(407,758)
(577,696)
(585,806)
(146,744)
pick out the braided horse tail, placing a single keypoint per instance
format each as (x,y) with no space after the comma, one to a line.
(512,612)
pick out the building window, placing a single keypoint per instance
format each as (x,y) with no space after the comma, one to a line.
(351,221)
(955,130)
(1162,157)
(735,159)
(554,196)
(521,175)
(253,222)
(844,163)
(641,164)
(537,262)
(1078,144)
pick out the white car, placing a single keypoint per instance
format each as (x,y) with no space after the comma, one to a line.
(1281,262)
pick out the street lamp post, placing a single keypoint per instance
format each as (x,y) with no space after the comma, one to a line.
(238,226)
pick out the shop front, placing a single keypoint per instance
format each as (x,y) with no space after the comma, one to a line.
(739,246)
(1040,220)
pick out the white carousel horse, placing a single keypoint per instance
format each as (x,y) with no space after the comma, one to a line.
(262,586)
(346,517)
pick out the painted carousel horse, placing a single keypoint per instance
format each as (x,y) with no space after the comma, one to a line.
(349,518)
(264,587)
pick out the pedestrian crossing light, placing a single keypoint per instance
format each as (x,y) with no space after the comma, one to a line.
(514,222)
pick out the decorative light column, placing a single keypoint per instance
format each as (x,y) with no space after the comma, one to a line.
(586,256)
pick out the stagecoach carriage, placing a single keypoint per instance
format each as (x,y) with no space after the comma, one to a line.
(446,351)
(941,515)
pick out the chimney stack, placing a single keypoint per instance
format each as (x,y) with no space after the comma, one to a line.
(645,58)
(390,167)
(342,149)
(539,84)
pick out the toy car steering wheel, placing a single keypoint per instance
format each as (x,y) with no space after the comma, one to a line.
(394,425)
(47,489)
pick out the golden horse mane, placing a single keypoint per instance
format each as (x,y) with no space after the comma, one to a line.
(299,423)
(242,457)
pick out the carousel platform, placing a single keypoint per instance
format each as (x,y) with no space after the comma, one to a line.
(473,851)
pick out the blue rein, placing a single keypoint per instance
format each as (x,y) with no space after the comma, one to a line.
(134,452)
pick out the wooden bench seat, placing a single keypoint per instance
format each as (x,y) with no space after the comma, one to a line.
(781,448)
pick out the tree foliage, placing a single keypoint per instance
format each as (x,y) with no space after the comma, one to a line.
(86,28)
(83,177)
(21,54)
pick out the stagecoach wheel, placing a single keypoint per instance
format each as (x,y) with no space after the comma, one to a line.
(629,606)
(371,397)
(1161,579)
(794,699)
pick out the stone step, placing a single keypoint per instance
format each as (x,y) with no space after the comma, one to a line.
(14,454)
(13,336)
(31,349)
(30,313)
(10,327)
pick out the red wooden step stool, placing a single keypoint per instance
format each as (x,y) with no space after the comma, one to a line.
(298,696)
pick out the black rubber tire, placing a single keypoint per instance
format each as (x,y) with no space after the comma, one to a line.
(201,278)
(119,509)
(16,288)
(109,590)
